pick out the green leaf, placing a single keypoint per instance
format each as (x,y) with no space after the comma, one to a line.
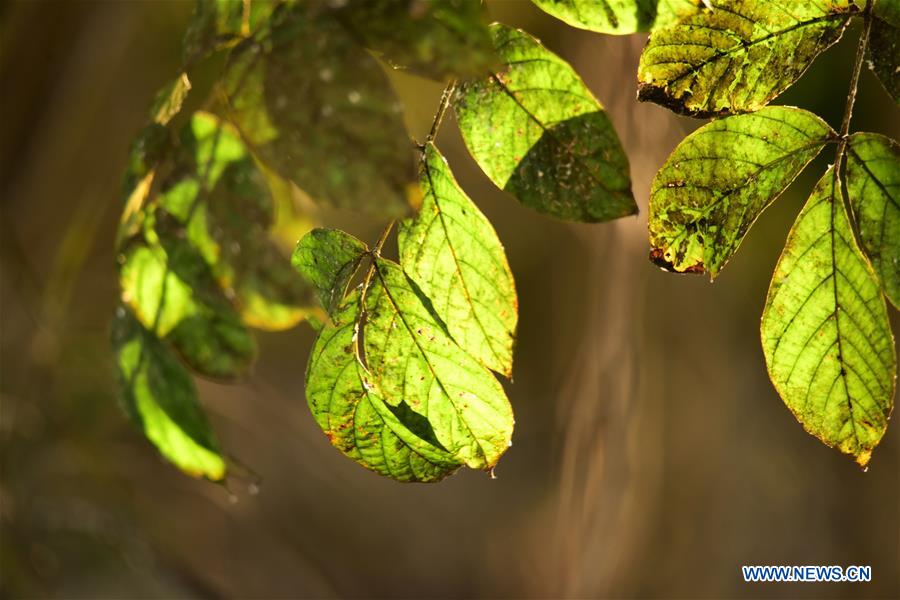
(219,24)
(318,109)
(453,254)
(160,397)
(348,406)
(873,186)
(174,295)
(328,259)
(737,56)
(883,54)
(434,38)
(825,330)
(539,134)
(619,17)
(721,177)
(422,373)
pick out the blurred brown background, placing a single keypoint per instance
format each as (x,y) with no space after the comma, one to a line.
(651,457)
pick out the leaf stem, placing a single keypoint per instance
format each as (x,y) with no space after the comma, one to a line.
(439,115)
(854,83)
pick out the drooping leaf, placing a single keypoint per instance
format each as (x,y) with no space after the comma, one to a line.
(883,53)
(426,377)
(328,259)
(433,38)
(159,396)
(348,406)
(173,294)
(619,17)
(539,134)
(825,330)
(721,177)
(873,186)
(320,111)
(738,55)
(453,254)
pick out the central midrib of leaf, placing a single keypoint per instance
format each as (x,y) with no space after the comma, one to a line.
(424,355)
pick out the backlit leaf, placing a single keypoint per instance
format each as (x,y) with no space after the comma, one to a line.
(873,186)
(320,111)
(453,254)
(328,259)
(825,330)
(425,376)
(539,134)
(347,405)
(619,17)
(721,177)
(434,38)
(738,55)
(159,395)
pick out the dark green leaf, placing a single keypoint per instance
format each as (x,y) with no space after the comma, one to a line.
(538,133)
(160,397)
(721,177)
(453,254)
(219,24)
(349,408)
(825,330)
(739,55)
(619,17)
(884,55)
(319,110)
(873,186)
(328,259)
(434,38)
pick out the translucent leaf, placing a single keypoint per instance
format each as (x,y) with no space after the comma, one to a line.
(873,186)
(425,376)
(619,17)
(319,110)
(173,294)
(721,177)
(433,38)
(538,133)
(453,254)
(737,56)
(347,405)
(825,331)
(328,259)
(159,395)
(883,54)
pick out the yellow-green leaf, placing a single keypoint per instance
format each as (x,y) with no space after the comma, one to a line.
(825,330)
(619,17)
(328,259)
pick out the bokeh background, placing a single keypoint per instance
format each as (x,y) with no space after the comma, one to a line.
(651,456)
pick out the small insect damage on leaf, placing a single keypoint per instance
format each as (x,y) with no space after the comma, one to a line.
(658,257)
(647,92)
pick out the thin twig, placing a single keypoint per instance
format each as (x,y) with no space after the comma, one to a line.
(439,115)
(854,83)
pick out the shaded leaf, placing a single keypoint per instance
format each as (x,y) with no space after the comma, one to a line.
(539,134)
(347,405)
(219,24)
(721,177)
(328,259)
(159,395)
(453,254)
(873,187)
(619,17)
(883,54)
(433,38)
(425,375)
(825,331)
(320,111)
(737,56)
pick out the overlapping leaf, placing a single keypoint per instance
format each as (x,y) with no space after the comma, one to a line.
(159,395)
(873,186)
(721,177)
(453,254)
(738,55)
(319,110)
(825,331)
(328,259)
(538,133)
(619,17)
(438,39)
